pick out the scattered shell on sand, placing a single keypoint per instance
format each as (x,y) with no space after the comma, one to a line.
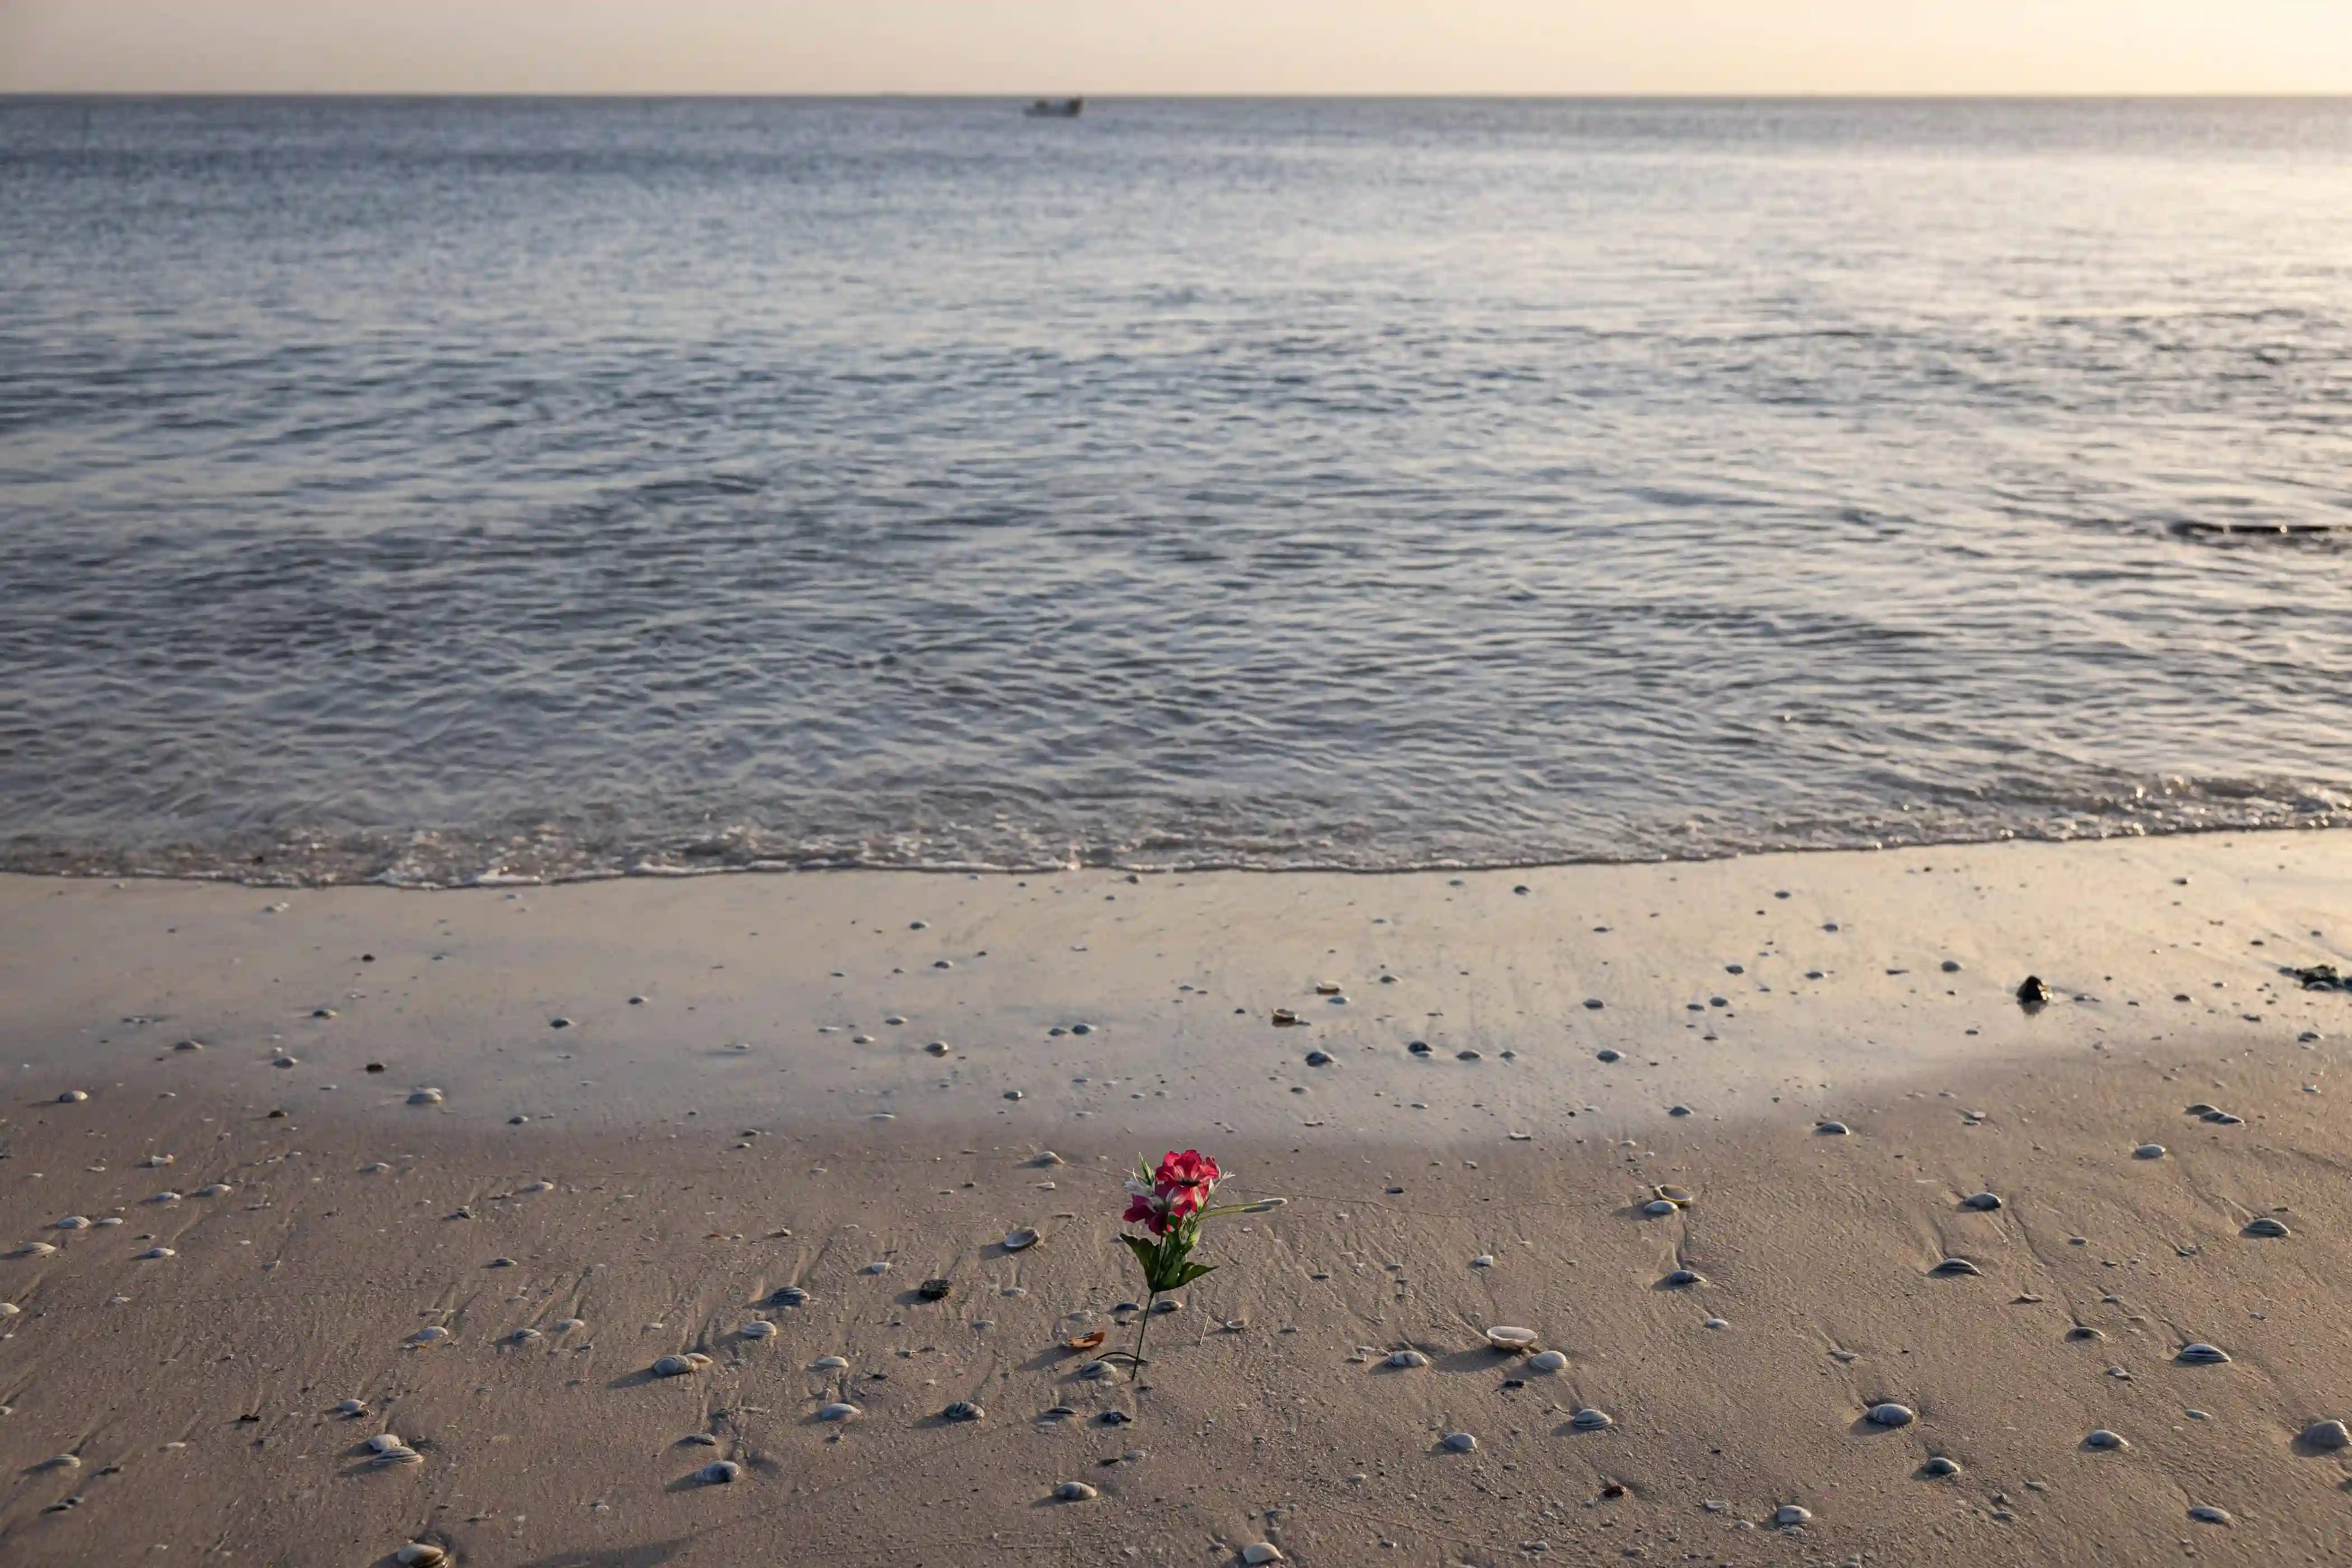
(1484,1260)
(523,1336)
(1606,1055)
(388,1458)
(1508,1338)
(1548,1361)
(536,1187)
(351,1407)
(1459,1442)
(2149,1152)
(1683,1278)
(839,1411)
(879,1266)
(33,1249)
(424,1097)
(1658,1208)
(829,1363)
(2084,1332)
(2266,1226)
(1951,1266)
(157,1162)
(2203,1354)
(2330,1437)
(1022,1238)
(1407,1358)
(1074,1492)
(1982,1201)
(789,1296)
(167,1196)
(1831,1129)
(421,1554)
(1681,1197)
(72,1097)
(1939,1466)
(2103,1439)
(964,1410)
(1790,1514)
(73,1222)
(757,1328)
(1097,1370)
(1259,1553)
(679,1365)
(2204,1514)
(1892,1415)
(431,1334)
(62,1462)
(1591,1420)
(155,1252)
(571,1325)
(384,1443)
(719,1472)
(220,1190)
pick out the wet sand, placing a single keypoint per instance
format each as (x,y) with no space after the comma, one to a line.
(708,1145)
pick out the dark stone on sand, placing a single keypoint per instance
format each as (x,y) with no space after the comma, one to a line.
(1419,1048)
(935,1289)
(1609,1055)
(2033,992)
(1318,1058)
(375,1066)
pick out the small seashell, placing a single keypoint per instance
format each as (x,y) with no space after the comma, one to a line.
(424,1097)
(1097,1370)
(62,1462)
(675,1366)
(1591,1420)
(757,1328)
(2224,1119)
(1940,1466)
(220,1190)
(284,1060)
(156,1162)
(2266,1226)
(2203,1354)
(1682,1278)
(1982,1201)
(536,1187)
(428,1334)
(524,1336)
(719,1472)
(1891,1415)
(400,1456)
(384,1443)
(1678,1196)
(1659,1208)
(2328,1436)
(1951,1266)
(1020,1239)
(1074,1492)
(2205,1515)
(2084,1332)
(964,1410)
(1284,1019)
(1507,1338)
(167,1196)
(1548,1361)
(351,1407)
(1259,1553)
(2200,1109)
(1406,1358)
(789,1296)
(155,1252)
(2149,1152)
(1459,1442)
(72,1097)
(2105,1439)
(420,1555)
(839,1411)
(73,1222)
(1484,1260)
(108,1219)
(828,1363)
(879,1266)
(1789,1515)
(1831,1129)
(501,1263)
(33,1249)
(571,1325)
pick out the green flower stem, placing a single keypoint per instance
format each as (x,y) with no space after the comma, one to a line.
(1143,1327)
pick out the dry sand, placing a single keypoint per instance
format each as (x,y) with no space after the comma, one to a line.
(709,1145)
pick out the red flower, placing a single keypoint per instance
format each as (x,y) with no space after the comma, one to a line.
(1153,1211)
(1186,1180)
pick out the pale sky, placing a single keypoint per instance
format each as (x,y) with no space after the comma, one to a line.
(1110,46)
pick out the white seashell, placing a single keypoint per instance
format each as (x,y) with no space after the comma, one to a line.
(964,1410)
(1939,1466)
(351,1407)
(421,1554)
(1891,1415)
(62,1462)
(73,1222)
(392,1456)
(33,1249)
(1790,1514)
(428,1335)
(1507,1338)
(839,1411)
(72,1097)
(167,1196)
(1097,1370)
(2203,1354)
(2149,1152)
(757,1329)
(879,1266)
(2267,1226)
(377,1169)
(677,1365)
(1548,1361)
(424,1097)
(1682,1278)
(1984,1203)
(1259,1553)
(719,1472)
(1484,1260)
(1074,1492)
(107,1219)
(155,1252)
(9,1309)
(1589,1420)
(828,1363)
(156,1162)
(2103,1438)
(2328,1436)
(1023,1237)
(218,1190)
(571,1325)
(537,1188)
(1659,1208)
(1458,1442)
(384,1443)
(524,1336)
(1407,1358)
(2205,1514)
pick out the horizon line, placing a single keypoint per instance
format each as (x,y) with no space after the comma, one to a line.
(1842,95)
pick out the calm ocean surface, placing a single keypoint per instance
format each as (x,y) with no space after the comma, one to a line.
(429,491)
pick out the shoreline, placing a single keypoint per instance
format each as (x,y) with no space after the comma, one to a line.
(709,1145)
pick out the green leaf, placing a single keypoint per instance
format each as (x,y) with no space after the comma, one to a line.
(1190,1272)
(1147,1254)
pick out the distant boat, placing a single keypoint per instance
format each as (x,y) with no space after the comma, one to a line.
(1056,109)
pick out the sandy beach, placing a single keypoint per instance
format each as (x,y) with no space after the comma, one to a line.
(654,1104)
